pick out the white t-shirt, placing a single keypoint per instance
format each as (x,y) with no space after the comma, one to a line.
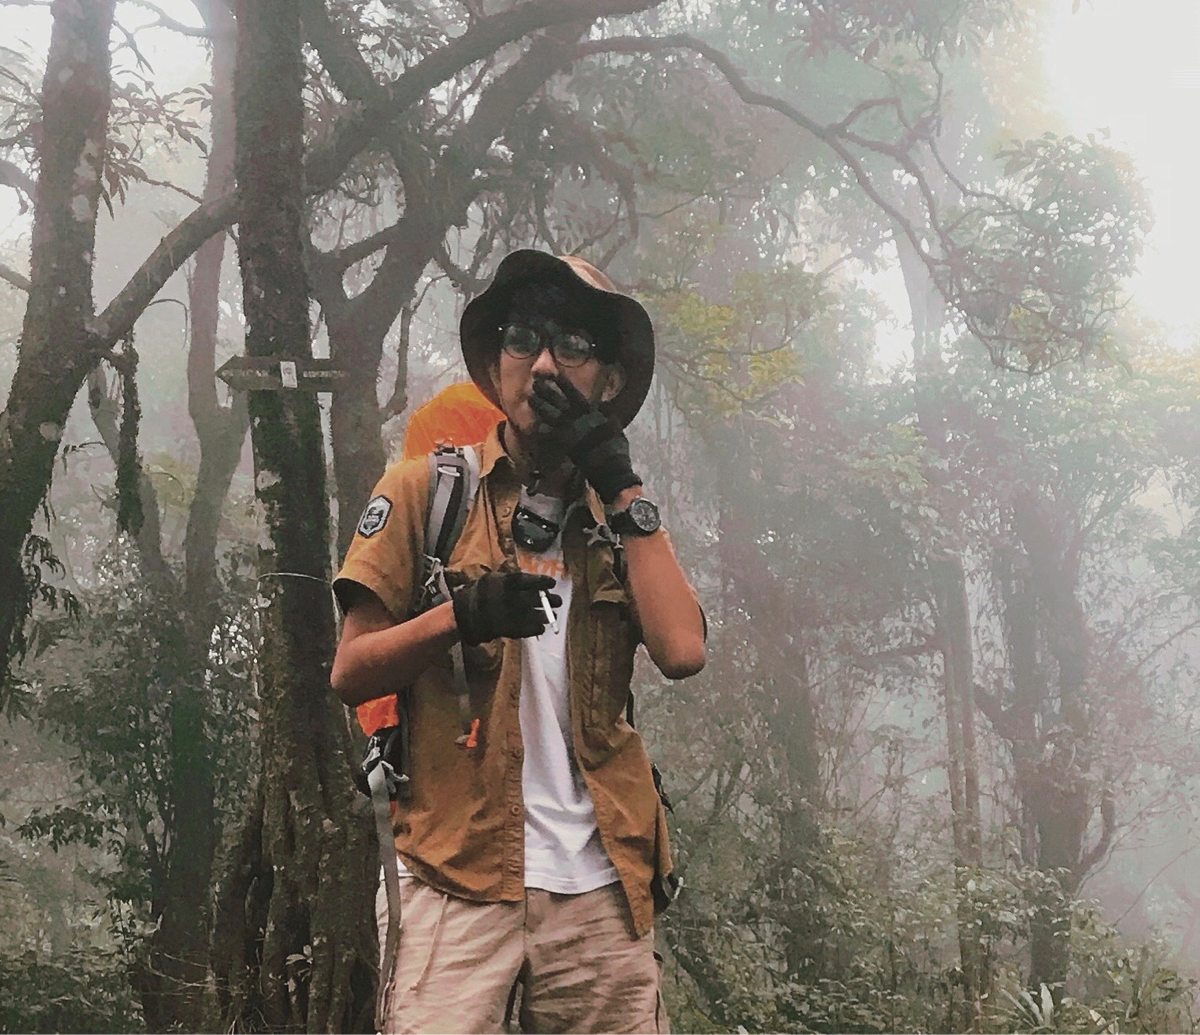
(563,852)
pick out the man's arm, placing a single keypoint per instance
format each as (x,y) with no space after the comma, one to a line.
(376,655)
(671,620)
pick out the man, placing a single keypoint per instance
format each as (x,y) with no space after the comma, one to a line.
(530,848)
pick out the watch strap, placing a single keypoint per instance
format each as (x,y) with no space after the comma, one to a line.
(623,523)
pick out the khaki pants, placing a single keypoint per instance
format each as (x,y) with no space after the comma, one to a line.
(580,966)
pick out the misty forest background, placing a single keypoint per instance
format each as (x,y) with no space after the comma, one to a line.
(941,770)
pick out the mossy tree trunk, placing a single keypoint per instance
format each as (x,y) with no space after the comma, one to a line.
(175,983)
(56,349)
(294,944)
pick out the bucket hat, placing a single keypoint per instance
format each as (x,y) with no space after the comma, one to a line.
(479,329)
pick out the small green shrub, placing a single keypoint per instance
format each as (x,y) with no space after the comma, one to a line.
(79,991)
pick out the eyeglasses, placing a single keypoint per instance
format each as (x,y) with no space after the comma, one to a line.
(568,348)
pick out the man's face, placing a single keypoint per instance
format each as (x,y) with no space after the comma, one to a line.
(547,314)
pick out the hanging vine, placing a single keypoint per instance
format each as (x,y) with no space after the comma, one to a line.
(130,515)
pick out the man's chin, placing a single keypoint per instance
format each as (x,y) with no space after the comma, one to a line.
(524,426)
(520,436)
(528,445)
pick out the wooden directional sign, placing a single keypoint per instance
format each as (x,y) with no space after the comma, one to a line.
(278,374)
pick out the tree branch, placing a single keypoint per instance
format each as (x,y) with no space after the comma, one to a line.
(398,401)
(1108,826)
(836,136)
(923,648)
(1004,720)
(437,205)
(166,184)
(172,251)
(338,53)
(343,258)
(978,306)
(583,136)
(106,418)
(167,22)
(12,175)
(464,280)
(482,39)
(131,43)
(17,280)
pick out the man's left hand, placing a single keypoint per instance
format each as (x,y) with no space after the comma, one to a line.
(568,424)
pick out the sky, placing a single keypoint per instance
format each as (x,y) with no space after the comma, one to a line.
(1131,67)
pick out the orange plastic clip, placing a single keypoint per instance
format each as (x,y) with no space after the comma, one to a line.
(473,736)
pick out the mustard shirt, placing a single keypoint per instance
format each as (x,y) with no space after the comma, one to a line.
(463,831)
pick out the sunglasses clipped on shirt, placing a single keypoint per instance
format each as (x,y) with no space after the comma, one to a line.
(569,348)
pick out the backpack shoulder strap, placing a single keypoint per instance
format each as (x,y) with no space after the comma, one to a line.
(453,482)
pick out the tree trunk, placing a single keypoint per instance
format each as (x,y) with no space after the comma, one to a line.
(777,634)
(1054,784)
(795,728)
(1046,723)
(954,632)
(55,353)
(305,948)
(953,616)
(175,985)
(221,430)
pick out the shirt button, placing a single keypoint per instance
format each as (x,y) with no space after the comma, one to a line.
(515,809)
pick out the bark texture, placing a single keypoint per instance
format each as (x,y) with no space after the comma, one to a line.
(57,345)
(1056,782)
(221,430)
(295,950)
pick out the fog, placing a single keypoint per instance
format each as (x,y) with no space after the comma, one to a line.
(923,431)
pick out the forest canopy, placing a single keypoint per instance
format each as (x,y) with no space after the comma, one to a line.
(938,773)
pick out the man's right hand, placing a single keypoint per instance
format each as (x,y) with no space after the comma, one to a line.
(502,604)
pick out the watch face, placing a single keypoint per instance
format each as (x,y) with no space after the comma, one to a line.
(644,515)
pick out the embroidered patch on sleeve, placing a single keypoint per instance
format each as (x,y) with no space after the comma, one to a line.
(374,517)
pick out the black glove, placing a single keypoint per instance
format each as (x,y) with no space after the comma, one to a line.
(502,604)
(568,425)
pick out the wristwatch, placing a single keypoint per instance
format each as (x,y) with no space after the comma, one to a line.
(641,517)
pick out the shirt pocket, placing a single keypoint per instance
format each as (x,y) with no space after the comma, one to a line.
(613,636)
